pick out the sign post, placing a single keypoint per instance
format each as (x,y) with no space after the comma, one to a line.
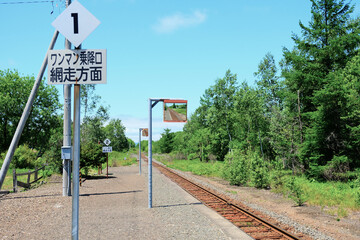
(152,103)
(145,134)
(106,150)
(140,129)
(75,23)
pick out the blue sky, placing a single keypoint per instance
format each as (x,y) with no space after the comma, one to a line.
(158,48)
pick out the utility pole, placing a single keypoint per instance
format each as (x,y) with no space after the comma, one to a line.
(67,129)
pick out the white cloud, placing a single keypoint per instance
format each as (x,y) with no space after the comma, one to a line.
(171,23)
(133,124)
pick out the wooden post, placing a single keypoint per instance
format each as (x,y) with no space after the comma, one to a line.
(14,181)
(36,174)
(28,180)
(107,165)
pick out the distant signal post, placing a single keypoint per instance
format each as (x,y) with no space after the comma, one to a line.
(145,133)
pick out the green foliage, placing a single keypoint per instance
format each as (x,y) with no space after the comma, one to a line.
(117,159)
(24,157)
(244,169)
(131,143)
(296,192)
(215,114)
(14,93)
(115,131)
(144,145)
(259,173)
(236,168)
(52,155)
(337,197)
(195,166)
(166,142)
(278,180)
(357,200)
(89,99)
(91,155)
(317,94)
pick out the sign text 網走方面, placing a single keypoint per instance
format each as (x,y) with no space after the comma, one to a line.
(84,66)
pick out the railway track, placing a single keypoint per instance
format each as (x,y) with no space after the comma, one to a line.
(255,226)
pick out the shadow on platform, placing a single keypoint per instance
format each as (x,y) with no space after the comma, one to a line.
(178,205)
(108,193)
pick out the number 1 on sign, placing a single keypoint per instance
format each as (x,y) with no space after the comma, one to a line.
(76,22)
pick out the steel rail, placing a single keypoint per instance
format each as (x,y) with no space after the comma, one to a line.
(258,219)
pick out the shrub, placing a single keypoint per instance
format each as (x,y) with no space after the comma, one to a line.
(278,179)
(259,173)
(91,155)
(296,192)
(236,168)
(24,157)
(357,200)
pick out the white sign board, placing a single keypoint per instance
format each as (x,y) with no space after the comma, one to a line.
(76,23)
(107,149)
(85,66)
(107,142)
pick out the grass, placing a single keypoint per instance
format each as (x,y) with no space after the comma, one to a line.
(335,198)
(117,159)
(195,166)
(8,182)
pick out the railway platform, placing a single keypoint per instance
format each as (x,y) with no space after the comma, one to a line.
(114,208)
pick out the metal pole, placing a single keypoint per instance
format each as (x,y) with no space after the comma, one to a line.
(76,164)
(67,140)
(25,115)
(140,129)
(150,153)
(67,129)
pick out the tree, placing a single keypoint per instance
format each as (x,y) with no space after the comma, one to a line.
(89,100)
(92,126)
(91,155)
(250,124)
(330,41)
(14,93)
(92,135)
(218,103)
(166,141)
(115,131)
(268,81)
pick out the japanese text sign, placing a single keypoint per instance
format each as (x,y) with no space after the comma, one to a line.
(106,149)
(85,66)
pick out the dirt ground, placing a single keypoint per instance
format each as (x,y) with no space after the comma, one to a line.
(347,228)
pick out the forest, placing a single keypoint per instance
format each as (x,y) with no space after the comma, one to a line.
(301,118)
(303,112)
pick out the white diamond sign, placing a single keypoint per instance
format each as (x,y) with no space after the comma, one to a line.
(76,23)
(107,142)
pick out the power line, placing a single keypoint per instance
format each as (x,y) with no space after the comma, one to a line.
(26,2)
